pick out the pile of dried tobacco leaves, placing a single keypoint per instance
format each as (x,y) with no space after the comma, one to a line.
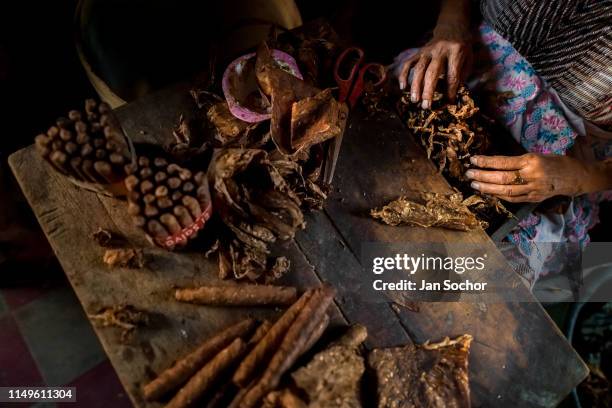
(263,175)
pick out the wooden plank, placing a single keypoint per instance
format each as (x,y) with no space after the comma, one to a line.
(69,215)
(519,357)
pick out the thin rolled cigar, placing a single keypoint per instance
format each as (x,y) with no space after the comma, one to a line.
(130,168)
(174,182)
(161,191)
(100,154)
(139,221)
(173,168)
(143,161)
(131,182)
(133,196)
(208,375)
(57,144)
(71,148)
(171,223)
(264,349)
(76,165)
(184,368)
(160,176)
(160,162)
(65,135)
(74,115)
(87,150)
(177,196)
(239,396)
(98,143)
(53,131)
(200,177)
(150,211)
(202,193)
(90,105)
(62,123)
(238,295)
(183,216)
(80,126)
(104,108)
(105,170)
(146,173)
(59,159)
(188,187)
(185,174)
(164,202)
(292,346)
(192,205)
(354,336)
(42,140)
(146,187)
(156,229)
(316,334)
(133,208)
(116,159)
(148,199)
(261,331)
(82,138)
(88,169)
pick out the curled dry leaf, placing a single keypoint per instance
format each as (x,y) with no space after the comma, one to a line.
(125,317)
(124,258)
(430,375)
(438,211)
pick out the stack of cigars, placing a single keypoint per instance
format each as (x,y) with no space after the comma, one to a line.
(246,361)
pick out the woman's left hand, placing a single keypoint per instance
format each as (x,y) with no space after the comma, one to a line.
(528,178)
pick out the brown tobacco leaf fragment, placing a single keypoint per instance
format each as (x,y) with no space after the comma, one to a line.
(228,126)
(124,258)
(332,378)
(106,238)
(438,211)
(432,375)
(125,317)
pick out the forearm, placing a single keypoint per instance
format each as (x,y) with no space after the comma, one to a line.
(598,177)
(454,18)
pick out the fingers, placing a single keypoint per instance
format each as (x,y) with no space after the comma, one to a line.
(417,78)
(502,189)
(499,162)
(493,177)
(431,80)
(403,76)
(517,199)
(454,70)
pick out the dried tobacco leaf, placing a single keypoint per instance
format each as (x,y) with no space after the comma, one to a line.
(124,258)
(332,378)
(432,375)
(228,126)
(125,317)
(438,211)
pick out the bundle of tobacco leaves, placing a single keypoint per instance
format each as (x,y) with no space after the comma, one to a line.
(432,375)
(438,211)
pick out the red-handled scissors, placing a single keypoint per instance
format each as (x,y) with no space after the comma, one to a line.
(353,76)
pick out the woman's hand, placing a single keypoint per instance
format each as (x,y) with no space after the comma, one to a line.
(530,177)
(449,52)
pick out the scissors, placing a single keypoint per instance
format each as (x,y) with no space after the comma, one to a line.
(353,77)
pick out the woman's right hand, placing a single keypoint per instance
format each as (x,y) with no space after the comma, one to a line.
(449,52)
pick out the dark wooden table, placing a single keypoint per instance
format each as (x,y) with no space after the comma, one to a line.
(518,358)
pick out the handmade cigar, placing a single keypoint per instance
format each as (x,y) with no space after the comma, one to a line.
(148,199)
(146,173)
(185,174)
(204,378)
(53,131)
(88,169)
(143,161)
(116,159)
(104,108)
(292,345)
(150,211)
(161,191)
(200,178)
(354,336)
(65,135)
(139,221)
(131,182)
(160,162)
(57,144)
(182,215)
(160,176)
(146,187)
(82,138)
(59,159)
(171,223)
(130,168)
(174,183)
(164,202)
(90,105)
(192,205)
(202,193)
(156,229)
(76,164)
(62,123)
(238,295)
(316,334)
(177,196)
(264,349)
(105,170)
(188,187)
(80,127)
(133,208)
(100,154)
(98,143)
(173,168)
(133,196)
(71,148)
(74,115)
(184,368)
(86,150)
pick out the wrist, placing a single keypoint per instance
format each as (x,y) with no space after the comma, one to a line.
(594,177)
